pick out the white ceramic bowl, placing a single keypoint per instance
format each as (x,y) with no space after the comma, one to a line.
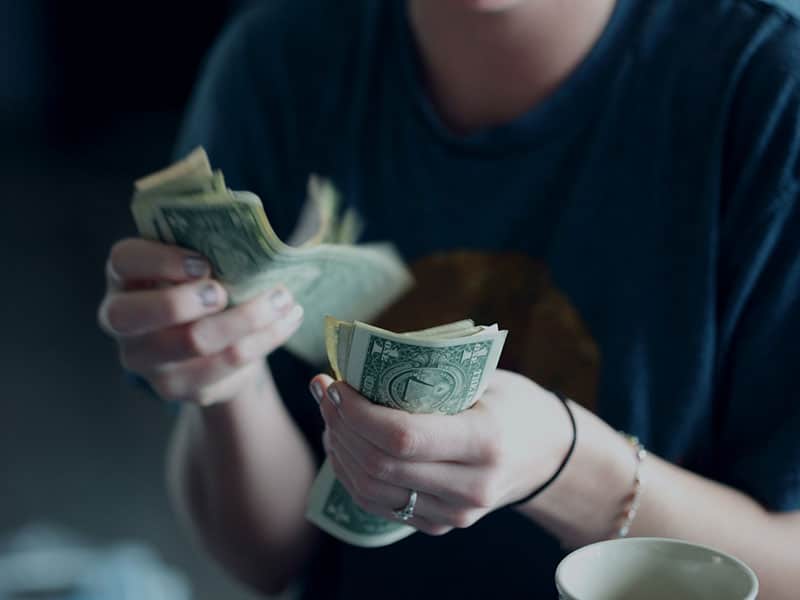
(653,569)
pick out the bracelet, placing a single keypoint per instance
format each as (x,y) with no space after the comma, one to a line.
(626,520)
(564,462)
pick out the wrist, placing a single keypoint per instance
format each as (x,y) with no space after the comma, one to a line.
(252,384)
(585,502)
(561,449)
(256,413)
(253,396)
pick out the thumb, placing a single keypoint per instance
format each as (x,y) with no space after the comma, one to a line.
(318,385)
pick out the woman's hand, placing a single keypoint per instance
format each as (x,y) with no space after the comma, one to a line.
(463,466)
(169,319)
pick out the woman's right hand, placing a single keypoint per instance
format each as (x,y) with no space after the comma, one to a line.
(169,320)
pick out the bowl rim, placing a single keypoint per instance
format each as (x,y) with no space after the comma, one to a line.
(563,589)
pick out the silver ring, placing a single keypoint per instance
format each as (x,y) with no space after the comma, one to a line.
(405,513)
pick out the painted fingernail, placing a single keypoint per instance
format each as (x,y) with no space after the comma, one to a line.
(208,295)
(333,393)
(316,391)
(280,299)
(195,267)
(295,314)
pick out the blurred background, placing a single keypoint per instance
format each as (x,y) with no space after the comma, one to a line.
(91,95)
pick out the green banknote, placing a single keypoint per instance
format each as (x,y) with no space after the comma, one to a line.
(188,204)
(440,370)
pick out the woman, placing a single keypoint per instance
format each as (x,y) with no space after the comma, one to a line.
(636,161)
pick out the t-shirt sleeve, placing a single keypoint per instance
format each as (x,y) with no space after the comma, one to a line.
(237,113)
(757,428)
(251,111)
(228,111)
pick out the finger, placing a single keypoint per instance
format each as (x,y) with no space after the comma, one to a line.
(318,385)
(383,493)
(181,379)
(455,483)
(418,437)
(214,333)
(419,522)
(139,312)
(135,259)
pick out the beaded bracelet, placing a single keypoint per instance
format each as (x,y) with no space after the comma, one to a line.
(626,520)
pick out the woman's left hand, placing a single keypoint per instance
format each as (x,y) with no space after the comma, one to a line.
(463,466)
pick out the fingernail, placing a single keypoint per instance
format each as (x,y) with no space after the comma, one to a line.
(295,314)
(280,299)
(195,267)
(333,393)
(208,295)
(316,391)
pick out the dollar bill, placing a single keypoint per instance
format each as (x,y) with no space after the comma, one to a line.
(439,370)
(188,204)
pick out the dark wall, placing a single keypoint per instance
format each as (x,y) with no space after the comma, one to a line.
(70,68)
(105,57)
(91,94)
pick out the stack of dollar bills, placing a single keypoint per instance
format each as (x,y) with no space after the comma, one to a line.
(189,205)
(440,370)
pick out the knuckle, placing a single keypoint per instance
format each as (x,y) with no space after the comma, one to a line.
(379,467)
(113,315)
(463,519)
(237,355)
(436,530)
(118,250)
(403,442)
(492,451)
(487,437)
(482,495)
(193,340)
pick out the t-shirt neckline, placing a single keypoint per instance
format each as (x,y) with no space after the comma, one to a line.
(562,113)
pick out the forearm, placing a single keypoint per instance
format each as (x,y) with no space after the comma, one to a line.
(240,474)
(683,505)
(585,502)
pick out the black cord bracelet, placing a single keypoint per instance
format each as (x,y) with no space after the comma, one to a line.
(555,475)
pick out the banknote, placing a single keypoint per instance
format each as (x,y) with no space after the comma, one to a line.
(441,370)
(189,204)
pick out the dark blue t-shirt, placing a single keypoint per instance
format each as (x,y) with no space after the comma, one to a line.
(659,186)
